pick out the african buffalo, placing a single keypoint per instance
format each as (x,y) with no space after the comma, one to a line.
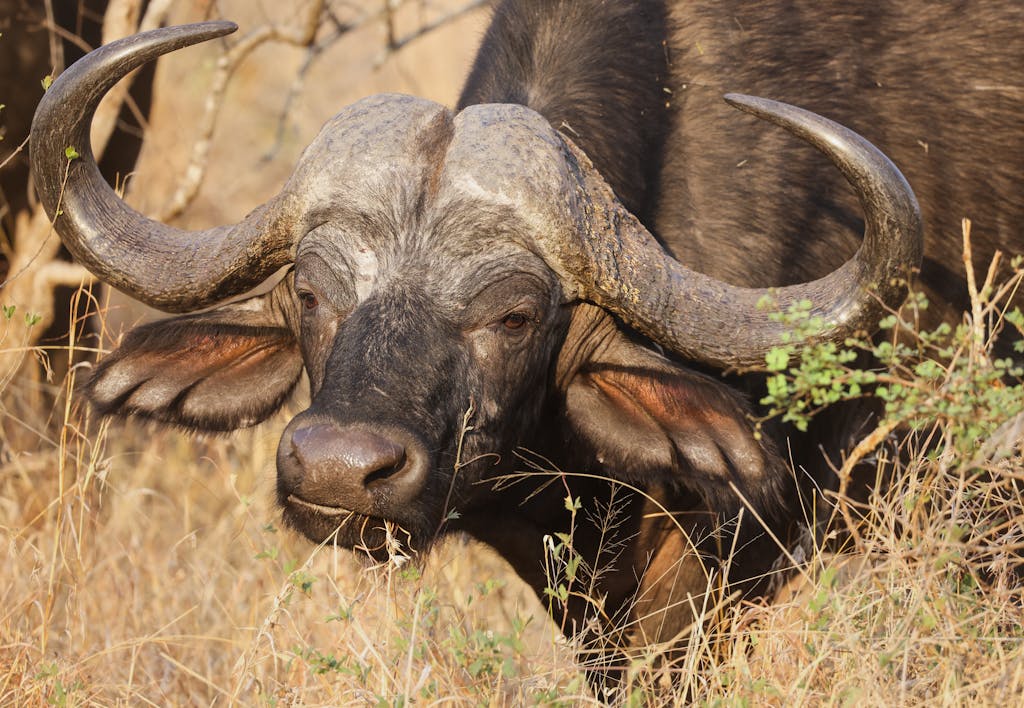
(477,292)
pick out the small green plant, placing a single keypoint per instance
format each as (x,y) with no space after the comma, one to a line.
(61,692)
(303,581)
(483,652)
(346,664)
(563,561)
(919,377)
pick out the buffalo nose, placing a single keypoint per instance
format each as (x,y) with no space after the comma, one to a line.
(352,468)
(324,449)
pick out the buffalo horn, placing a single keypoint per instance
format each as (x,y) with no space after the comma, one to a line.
(165,267)
(627,272)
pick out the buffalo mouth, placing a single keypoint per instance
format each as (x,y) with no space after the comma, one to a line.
(376,537)
(321,509)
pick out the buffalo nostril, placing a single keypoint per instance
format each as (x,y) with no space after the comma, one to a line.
(385,472)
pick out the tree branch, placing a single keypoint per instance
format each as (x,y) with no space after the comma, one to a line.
(303,36)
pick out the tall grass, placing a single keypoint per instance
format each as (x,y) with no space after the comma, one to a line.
(140,566)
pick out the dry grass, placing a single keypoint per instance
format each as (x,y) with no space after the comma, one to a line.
(142,566)
(928,612)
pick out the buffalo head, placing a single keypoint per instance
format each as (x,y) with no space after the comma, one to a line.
(459,285)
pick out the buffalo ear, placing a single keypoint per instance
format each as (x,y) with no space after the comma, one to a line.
(220,370)
(647,420)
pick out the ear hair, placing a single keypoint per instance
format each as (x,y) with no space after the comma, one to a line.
(217,371)
(647,420)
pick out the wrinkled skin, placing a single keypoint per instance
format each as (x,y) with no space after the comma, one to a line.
(402,347)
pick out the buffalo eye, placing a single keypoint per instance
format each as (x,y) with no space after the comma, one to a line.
(308,300)
(515,321)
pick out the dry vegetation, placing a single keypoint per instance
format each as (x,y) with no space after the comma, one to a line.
(142,566)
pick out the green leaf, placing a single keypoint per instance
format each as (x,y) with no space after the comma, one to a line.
(46,82)
(777,358)
(270,553)
(572,566)
(778,387)
(71,153)
(1014,316)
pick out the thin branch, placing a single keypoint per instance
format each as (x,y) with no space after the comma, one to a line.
(303,36)
(56,50)
(312,54)
(393,44)
(859,452)
(55,31)
(156,14)
(396,44)
(14,152)
(120,20)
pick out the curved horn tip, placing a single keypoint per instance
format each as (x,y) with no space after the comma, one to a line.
(227,26)
(742,100)
(195,32)
(212,28)
(116,243)
(766,108)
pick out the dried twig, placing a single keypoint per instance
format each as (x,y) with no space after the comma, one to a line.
(396,43)
(313,53)
(393,44)
(302,35)
(56,50)
(120,20)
